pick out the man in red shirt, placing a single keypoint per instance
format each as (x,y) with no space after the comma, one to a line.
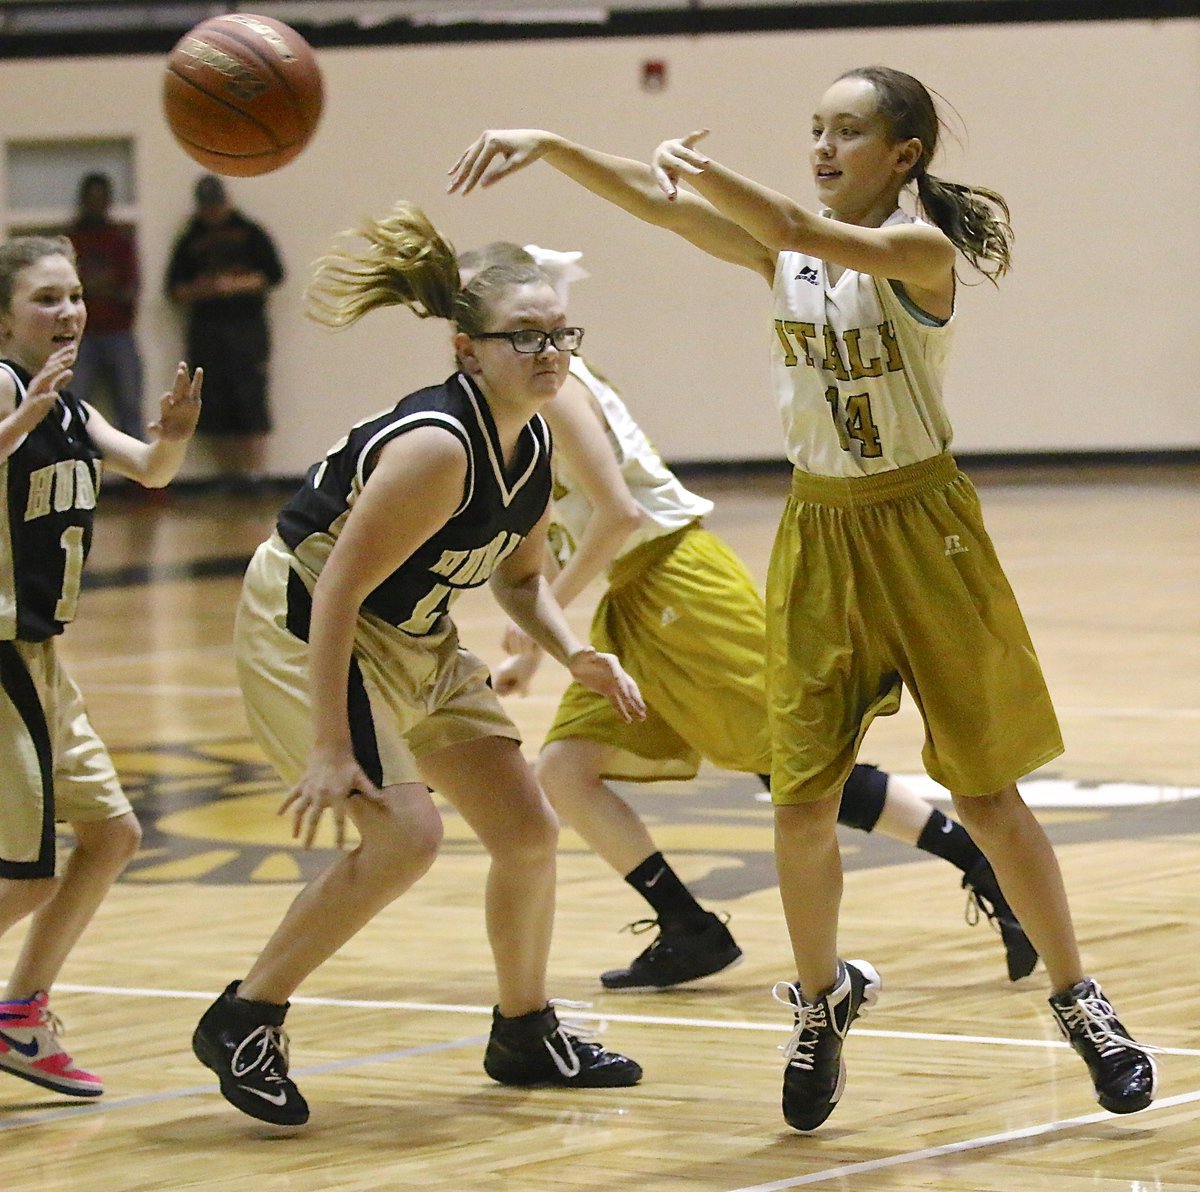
(108,268)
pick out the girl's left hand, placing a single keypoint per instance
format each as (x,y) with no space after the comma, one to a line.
(604,674)
(517,641)
(514,674)
(676,157)
(180,408)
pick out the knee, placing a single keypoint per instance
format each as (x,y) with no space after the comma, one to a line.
(552,770)
(807,821)
(563,775)
(531,833)
(984,815)
(112,843)
(413,830)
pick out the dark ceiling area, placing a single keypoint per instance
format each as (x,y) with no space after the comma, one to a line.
(30,28)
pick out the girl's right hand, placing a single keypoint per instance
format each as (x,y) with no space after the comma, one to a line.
(42,392)
(326,785)
(495,154)
(676,157)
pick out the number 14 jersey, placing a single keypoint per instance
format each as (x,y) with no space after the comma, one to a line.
(858,369)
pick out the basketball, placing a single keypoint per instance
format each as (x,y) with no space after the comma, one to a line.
(242,94)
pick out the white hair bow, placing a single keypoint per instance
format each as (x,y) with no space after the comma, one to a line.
(562,268)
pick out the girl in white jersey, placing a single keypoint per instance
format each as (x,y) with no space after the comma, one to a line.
(684,615)
(899,574)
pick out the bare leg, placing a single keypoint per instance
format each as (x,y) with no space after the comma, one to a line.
(904,813)
(399,842)
(492,786)
(1027,869)
(569,772)
(810,883)
(19,899)
(103,849)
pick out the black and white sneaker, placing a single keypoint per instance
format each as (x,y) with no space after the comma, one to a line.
(1123,1071)
(679,954)
(816,1073)
(245,1044)
(984,895)
(535,1049)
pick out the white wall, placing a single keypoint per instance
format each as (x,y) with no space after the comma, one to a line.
(1090,131)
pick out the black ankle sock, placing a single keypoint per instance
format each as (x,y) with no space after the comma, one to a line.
(660,886)
(949,840)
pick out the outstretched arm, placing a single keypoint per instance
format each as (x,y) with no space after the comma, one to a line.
(155,463)
(918,255)
(629,184)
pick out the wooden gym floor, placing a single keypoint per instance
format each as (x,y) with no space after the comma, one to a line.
(957,1079)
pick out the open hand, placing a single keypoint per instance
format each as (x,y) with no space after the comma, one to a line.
(42,391)
(180,409)
(676,157)
(605,675)
(326,785)
(495,154)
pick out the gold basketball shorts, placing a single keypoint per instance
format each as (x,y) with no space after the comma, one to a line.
(891,581)
(55,766)
(683,615)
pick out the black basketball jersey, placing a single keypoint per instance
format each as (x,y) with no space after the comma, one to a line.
(499,505)
(50,483)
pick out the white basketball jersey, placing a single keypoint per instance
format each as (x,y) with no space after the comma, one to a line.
(858,370)
(667,504)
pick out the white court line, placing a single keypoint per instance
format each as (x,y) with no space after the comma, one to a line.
(959,1148)
(105,1105)
(569,1011)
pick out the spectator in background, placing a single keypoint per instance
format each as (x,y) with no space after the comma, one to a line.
(222,267)
(108,267)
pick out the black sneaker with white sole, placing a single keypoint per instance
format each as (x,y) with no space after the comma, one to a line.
(1123,1071)
(984,894)
(245,1044)
(680,953)
(816,1072)
(536,1050)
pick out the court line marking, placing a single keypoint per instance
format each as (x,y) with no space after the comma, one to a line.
(570,1011)
(104,1105)
(959,1148)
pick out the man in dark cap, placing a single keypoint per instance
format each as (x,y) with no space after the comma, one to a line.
(221,269)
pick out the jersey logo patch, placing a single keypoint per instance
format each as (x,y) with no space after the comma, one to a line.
(808,274)
(954,546)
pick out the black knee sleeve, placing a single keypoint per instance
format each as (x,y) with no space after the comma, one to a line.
(863,797)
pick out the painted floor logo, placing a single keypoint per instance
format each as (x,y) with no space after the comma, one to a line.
(208,812)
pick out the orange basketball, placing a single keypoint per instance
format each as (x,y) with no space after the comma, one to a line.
(242,94)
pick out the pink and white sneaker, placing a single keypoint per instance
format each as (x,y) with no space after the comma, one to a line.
(29,1048)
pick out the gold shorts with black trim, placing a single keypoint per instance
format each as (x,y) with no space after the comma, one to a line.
(408,696)
(56,768)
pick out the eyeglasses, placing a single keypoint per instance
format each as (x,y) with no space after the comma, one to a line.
(529,341)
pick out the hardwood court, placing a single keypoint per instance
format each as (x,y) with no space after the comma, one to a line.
(957,1079)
